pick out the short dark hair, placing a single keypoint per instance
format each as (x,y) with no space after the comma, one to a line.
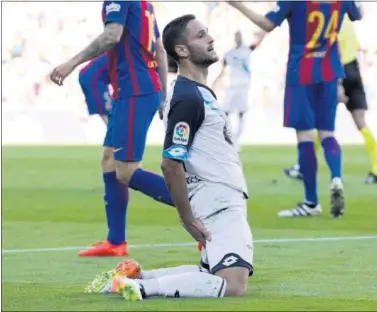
(173,34)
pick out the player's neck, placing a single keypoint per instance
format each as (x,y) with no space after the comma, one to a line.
(194,73)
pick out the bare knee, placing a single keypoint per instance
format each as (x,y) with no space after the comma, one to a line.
(325,134)
(125,170)
(304,136)
(236,280)
(358,116)
(107,162)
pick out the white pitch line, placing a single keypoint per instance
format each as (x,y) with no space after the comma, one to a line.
(179,245)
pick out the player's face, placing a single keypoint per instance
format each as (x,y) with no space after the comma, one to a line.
(200,44)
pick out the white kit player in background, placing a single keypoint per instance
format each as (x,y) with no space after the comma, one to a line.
(237,67)
(204,175)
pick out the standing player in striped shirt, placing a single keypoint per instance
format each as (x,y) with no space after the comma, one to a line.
(354,99)
(313,72)
(138,71)
(94,81)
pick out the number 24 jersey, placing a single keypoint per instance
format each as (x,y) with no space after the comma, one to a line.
(313,30)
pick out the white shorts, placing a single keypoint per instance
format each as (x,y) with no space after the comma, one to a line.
(231,242)
(236,100)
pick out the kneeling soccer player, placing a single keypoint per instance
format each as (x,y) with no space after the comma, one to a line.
(204,175)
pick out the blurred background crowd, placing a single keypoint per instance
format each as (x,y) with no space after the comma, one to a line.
(47,33)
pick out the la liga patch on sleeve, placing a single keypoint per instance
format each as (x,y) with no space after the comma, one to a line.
(181,133)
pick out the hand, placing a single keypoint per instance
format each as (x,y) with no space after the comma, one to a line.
(197,230)
(161,110)
(61,72)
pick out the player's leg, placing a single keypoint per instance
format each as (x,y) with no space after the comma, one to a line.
(294,171)
(357,105)
(242,106)
(230,251)
(299,115)
(325,116)
(115,198)
(97,97)
(132,118)
(228,256)
(135,284)
(369,141)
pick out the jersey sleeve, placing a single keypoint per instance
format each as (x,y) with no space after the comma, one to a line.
(184,120)
(156,30)
(353,11)
(116,11)
(280,12)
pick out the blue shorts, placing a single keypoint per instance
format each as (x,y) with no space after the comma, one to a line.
(108,141)
(308,107)
(129,124)
(98,99)
(99,102)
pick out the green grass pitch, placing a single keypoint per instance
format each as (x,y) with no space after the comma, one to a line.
(52,198)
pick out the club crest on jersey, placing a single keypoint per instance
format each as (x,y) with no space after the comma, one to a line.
(112,7)
(181,133)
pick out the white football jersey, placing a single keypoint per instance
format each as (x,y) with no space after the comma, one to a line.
(197,135)
(238,63)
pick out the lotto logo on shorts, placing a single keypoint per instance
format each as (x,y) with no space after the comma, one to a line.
(181,133)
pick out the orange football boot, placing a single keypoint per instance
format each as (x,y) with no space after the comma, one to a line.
(105,249)
(129,268)
(200,246)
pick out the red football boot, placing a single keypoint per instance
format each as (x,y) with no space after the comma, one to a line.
(105,249)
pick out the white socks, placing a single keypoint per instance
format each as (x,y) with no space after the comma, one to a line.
(191,284)
(169,271)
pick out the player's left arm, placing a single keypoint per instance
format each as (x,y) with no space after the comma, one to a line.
(272,19)
(162,61)
(116,13)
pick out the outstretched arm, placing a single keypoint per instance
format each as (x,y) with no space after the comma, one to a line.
(269,21)
(255,17)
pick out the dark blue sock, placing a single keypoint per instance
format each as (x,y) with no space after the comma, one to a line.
(333,155)
(308,166)
(116,200)
(152,185)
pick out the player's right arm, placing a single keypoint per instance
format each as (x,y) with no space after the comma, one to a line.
(184,120)
(272,19)
(115,18)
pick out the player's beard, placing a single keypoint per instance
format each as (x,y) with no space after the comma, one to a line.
(201,58)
